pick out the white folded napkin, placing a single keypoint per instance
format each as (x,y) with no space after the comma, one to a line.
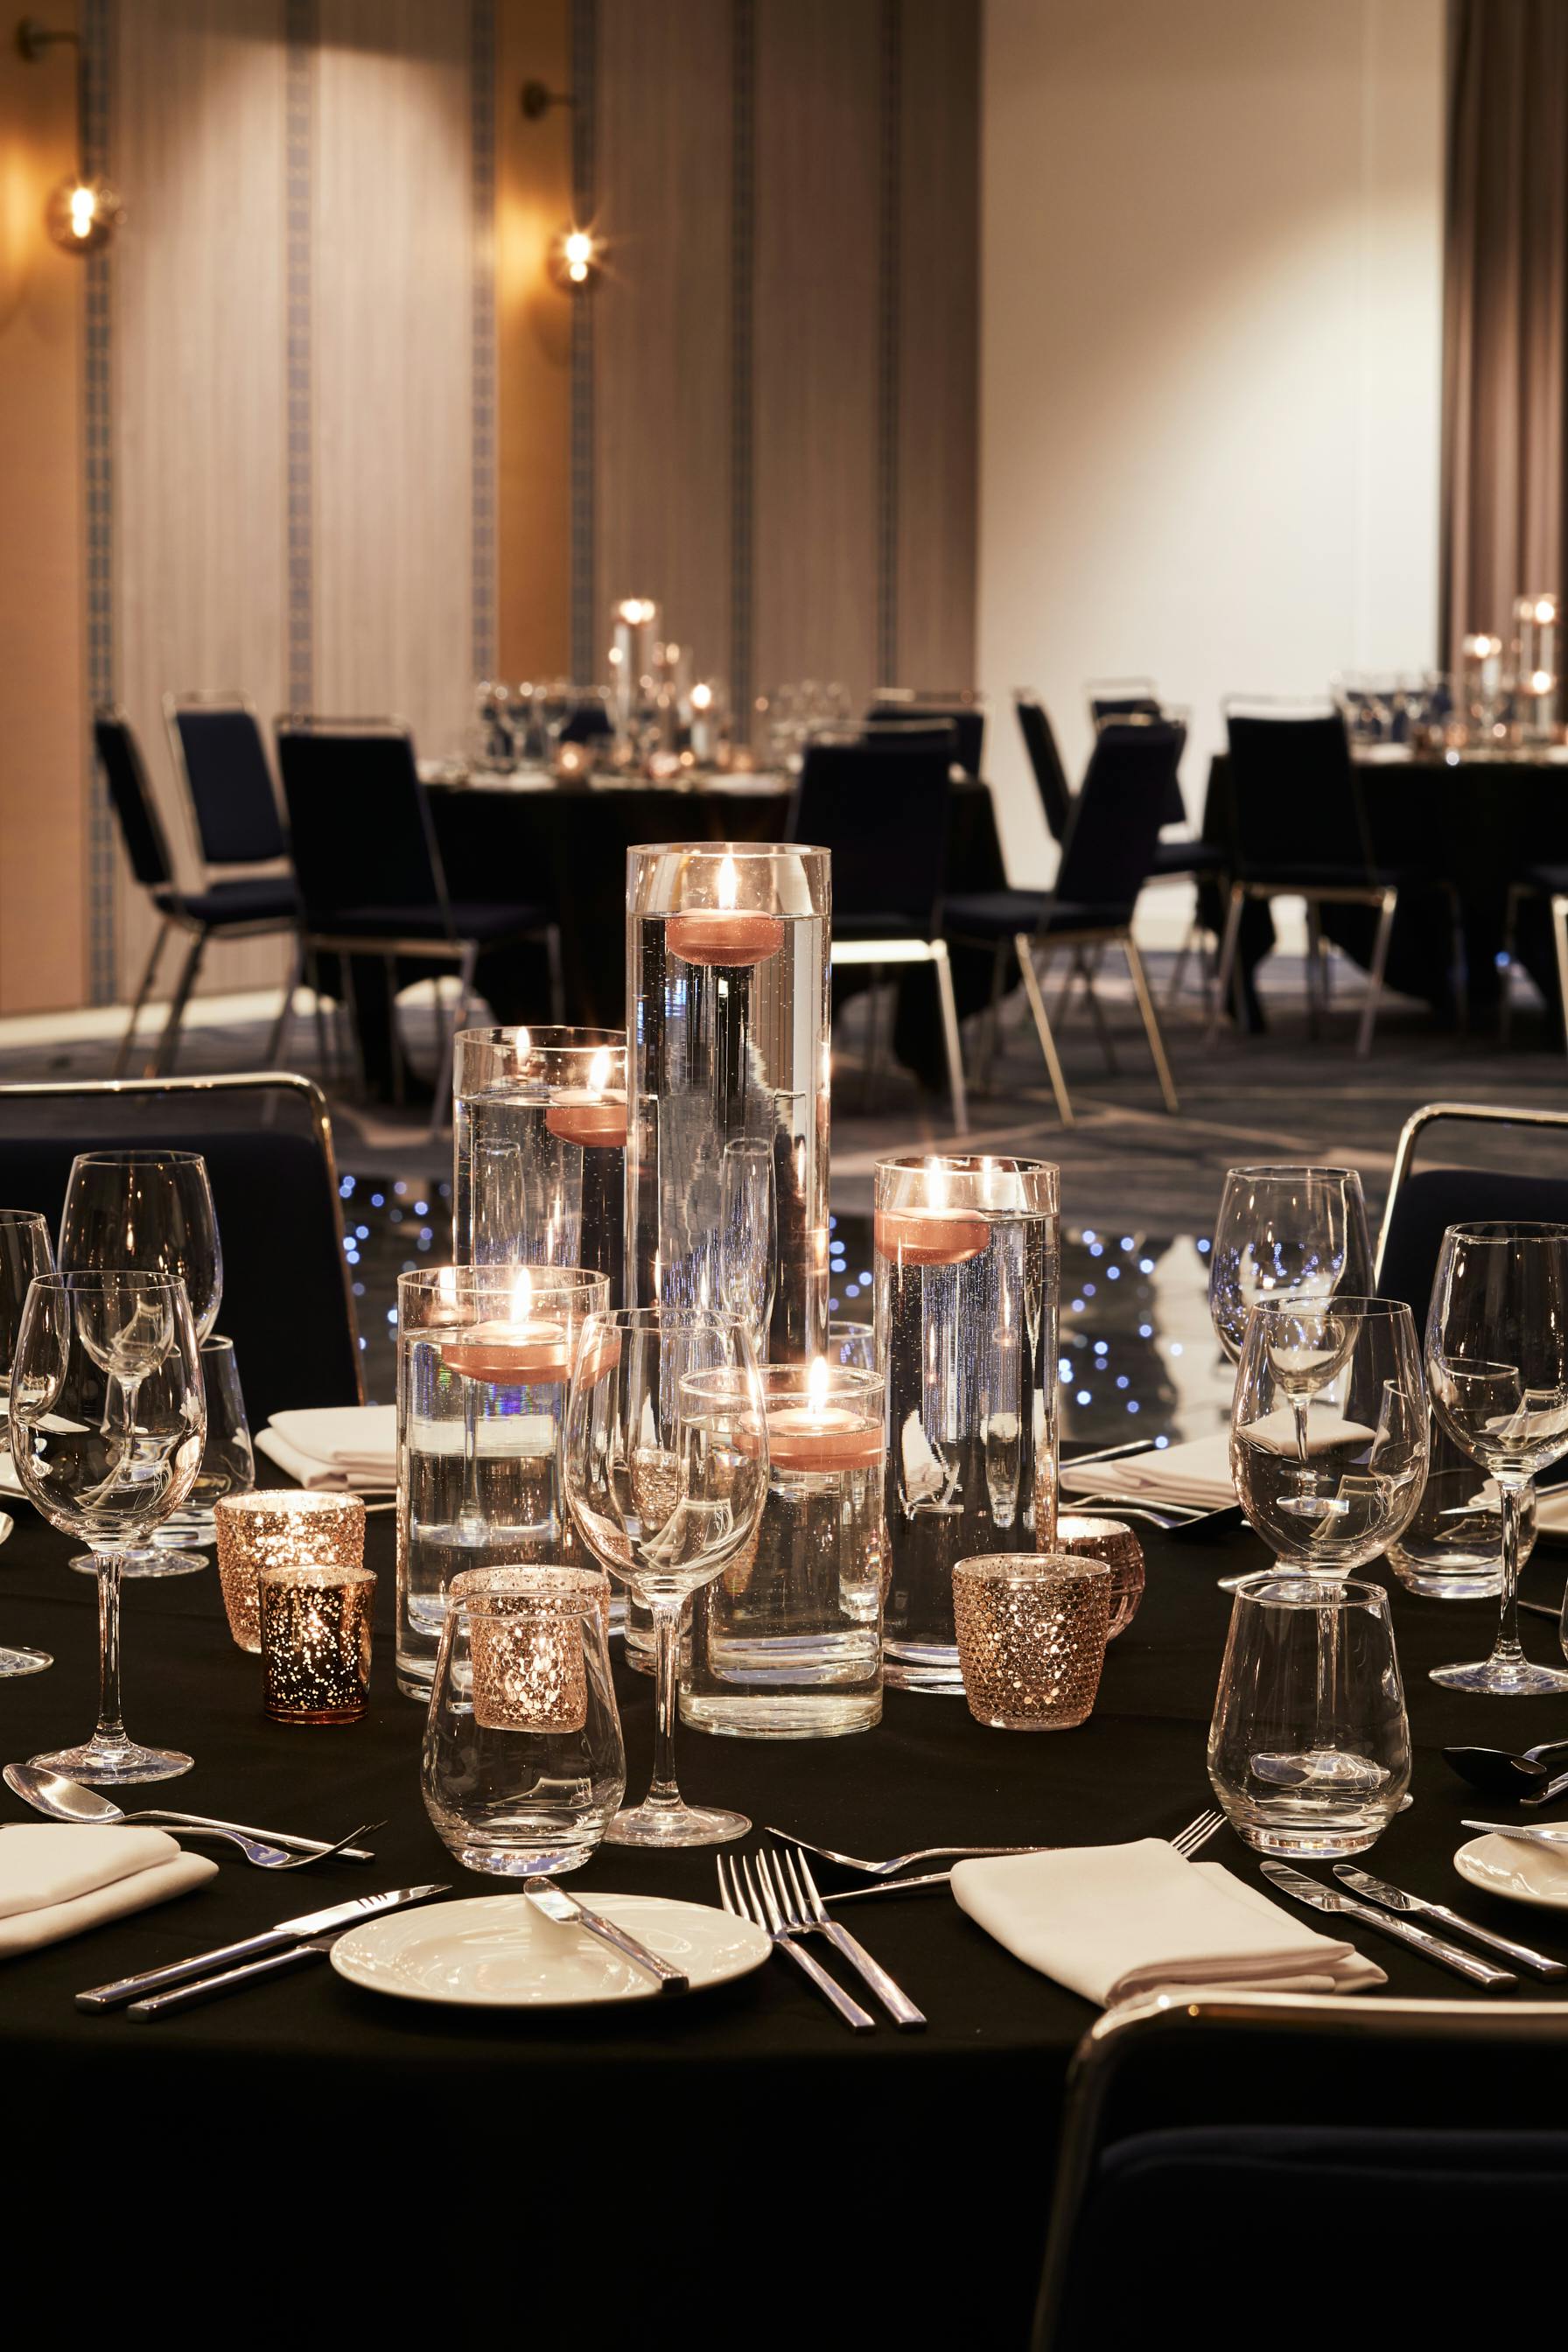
(56,1878)
(1115,1922)
(1197,1472)
(334,1445)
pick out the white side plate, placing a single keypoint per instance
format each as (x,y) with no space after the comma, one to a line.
(496,1951)
(1526,1874)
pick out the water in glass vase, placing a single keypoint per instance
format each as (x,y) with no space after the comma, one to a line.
(539,1129)
(966,1277)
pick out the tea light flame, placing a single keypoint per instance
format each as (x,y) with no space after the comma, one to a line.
(599,1071)
(817,1388)
(521,1295)
(728,887)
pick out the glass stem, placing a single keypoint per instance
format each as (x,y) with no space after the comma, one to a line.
(111,1730)
(1511,1494)
(666,1611)
(1299,1415)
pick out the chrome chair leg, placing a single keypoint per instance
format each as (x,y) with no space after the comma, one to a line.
(1179,969)
(148,976)
(1374,977)
(1228,984)
(326,1054)
(1151,1020)
(285,1011)
(168,1044)
(1024,947)
(395,1034)
(1560,936)
(952,1045)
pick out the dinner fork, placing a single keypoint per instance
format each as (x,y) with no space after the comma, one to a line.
(739,1894)
(804,1915)
(1186,1841)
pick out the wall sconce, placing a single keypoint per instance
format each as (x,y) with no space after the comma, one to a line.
(574,259)
(83,213)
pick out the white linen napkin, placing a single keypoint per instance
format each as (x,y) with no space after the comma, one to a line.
(1115,1922)
(1197,1472)
(56,1878)
(334,1445)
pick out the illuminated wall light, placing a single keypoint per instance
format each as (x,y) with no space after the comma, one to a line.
(575,259)
(83,213)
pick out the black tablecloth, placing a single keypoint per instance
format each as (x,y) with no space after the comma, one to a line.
(424,2164)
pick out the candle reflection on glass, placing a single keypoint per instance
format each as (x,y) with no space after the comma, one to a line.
(315,1642)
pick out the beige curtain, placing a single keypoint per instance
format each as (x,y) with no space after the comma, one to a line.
(1505,393)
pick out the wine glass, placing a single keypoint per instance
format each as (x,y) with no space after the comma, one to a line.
(1285,1233)
(24,1251)
(108,1415)
(150,1208)
(1497,1358)
(667,1468)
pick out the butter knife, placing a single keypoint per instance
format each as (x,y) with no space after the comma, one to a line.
(288,1932)
(200,1989)
(1548,1834)
(1328,1899)
(567,1912)
(1378,1890)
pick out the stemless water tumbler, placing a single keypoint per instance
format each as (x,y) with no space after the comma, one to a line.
(966,1262)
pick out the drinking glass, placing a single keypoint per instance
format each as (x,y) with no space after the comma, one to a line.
(108,1415)
(523,1765)
(1311,1676)
(853,1345)
(228,1460)
(1497,1357)
(1285,1233)
(24,1252)
(1329,1431)
(150,1209)
(667,1468)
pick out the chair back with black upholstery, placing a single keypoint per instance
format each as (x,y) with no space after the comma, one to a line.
(219,749)
(884,815)
(1116,821)
(1407,2110)
(1050,776)
(268,1143)
(966,719)
(1295,805)
(363,838)
(1424,1202)
(130,797)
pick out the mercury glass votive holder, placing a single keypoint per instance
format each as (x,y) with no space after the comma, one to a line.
(315,1642)
(1113,1541)
(279,1527)
(1031,1637)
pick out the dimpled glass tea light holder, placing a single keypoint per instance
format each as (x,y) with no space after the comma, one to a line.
(1031,1637)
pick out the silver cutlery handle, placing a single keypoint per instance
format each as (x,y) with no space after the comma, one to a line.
(1447,1955)
(271,1837)
(859,2020)
(200,1964)
(187,1996)
(890,1887)
(653,1964)
(1524,1954)
(1553,1789)
(892,1995)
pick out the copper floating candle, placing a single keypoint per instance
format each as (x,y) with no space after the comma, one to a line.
(538,1135)
(1031,1638)
(734,937)
(280,1527)
(315,1642)
(808,1433)
(928,1236)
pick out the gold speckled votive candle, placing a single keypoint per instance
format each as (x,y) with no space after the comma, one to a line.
(1031,1637)
(315,1642)
(281,1526)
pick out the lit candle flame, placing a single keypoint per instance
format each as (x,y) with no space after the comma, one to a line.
(936,1184)
(817,1388)
(521,1295)
(599,1071)
(728,887)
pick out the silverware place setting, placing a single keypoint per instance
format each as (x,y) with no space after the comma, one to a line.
(1318,1897)
(63,1800)
(227,1968)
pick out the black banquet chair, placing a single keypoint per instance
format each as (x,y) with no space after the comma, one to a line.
(370,871)
(895,706)
(286,1301)
(1115,824)
(1045,762)
(220,755)
(242,907)
(1392,2126)
(1424,1202)
(883,813)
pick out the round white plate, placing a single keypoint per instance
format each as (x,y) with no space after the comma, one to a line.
(1526,1874)
(496,1951)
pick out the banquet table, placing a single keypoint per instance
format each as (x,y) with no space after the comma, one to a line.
(402,2163)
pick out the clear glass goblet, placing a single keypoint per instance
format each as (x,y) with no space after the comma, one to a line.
(24,1251)
(667,1468)
(1285,1233)
(108,1415)
(152,1209)
(1497,1360)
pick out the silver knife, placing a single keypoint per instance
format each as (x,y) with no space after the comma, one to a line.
(1328,1899)
(1378,1890)
(567,1912)
(1551,1834)
(200,1989)
(286,1932)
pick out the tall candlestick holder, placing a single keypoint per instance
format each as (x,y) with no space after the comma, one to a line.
(1537,666)
(727,1025)
(538,1133)
(966,1255)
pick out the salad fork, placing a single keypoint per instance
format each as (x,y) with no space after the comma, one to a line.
(1187,1843)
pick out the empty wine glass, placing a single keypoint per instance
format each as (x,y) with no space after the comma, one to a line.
(1328,1430)
(152,1209)
(24,1252)
(1497,1358)
(1285,1233)
(667,1467)
(108,1417)
(228,1458)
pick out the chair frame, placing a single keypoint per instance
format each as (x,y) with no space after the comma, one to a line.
(1558,904)
(464,954)
(1344,2018)
(176,1089)
(1416,1126)
(879,952)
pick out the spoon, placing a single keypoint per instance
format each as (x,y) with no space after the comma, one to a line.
(70,1801)
(1500,1774)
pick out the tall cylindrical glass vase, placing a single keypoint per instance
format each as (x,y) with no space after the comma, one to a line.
(539,1131)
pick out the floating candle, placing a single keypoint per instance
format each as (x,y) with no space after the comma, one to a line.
(929,1236)
(593,1115)
(812,1434)
(725,934)
(509,1351)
